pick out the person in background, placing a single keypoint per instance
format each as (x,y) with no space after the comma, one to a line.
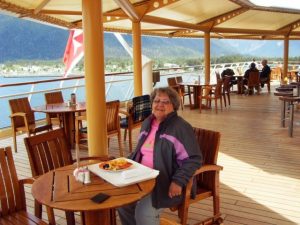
(229,72)
(166,143)
(265,73)
(247,73)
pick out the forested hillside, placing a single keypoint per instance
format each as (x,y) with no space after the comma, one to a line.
(25,40)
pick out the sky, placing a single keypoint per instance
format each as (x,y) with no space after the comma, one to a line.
(289,4)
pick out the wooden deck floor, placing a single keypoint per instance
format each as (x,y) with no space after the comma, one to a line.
(260,183)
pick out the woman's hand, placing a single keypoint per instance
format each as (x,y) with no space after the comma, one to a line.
(174,190)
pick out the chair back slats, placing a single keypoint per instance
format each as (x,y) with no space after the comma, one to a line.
(11,200)
(42,159)
(226,84)
(48,151)
(209,142)
(218,89)
(172,81)
(253,80)
(179,79)
(21,105)
(141,108)
(218,76)
(112,116)
(54,97)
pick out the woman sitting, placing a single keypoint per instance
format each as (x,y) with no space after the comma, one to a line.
(166,143)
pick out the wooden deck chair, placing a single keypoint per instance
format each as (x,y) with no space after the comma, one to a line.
(136,113)
(53,98)
(48,151)
(254,81)
(173,84)
(112,124)
(22,119)
(185,91)
(213,94)
(12,202)
(206,178)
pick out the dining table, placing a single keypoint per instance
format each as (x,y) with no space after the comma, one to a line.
(59,189)
(68,111)
(196,89)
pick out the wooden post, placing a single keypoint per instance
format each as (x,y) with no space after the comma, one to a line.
(285,57)
(94,77)
(137,58)
(207,57)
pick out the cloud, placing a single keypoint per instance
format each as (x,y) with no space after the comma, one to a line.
(279,43)
(256,45)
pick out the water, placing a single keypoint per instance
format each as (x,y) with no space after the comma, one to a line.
(36,99)
(114,91)
(122,91)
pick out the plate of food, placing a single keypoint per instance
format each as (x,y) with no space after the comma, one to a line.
(115,165)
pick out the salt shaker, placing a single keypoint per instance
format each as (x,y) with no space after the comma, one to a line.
(87,177)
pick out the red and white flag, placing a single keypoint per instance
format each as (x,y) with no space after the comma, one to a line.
(74,50)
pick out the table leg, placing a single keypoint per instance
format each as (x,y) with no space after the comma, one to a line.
(291,122)
(197,91)
(101,217)
(69,127)
(282,116)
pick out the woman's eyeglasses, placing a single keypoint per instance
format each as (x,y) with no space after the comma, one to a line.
(163,102)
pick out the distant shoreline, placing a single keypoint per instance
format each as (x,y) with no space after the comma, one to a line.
(24,75)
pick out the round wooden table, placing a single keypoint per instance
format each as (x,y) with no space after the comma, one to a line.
(197,90)
(58,189)
(68,113)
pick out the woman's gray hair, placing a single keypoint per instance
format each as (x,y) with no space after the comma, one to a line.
(170,92)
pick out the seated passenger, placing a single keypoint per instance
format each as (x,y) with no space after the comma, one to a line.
(229,72)
(247,73)
(265,73)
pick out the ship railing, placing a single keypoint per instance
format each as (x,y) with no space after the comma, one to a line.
(117,85)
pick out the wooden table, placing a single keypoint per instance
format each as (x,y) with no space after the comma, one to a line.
(288,103)
(68,113)
(59,189)
(197,90)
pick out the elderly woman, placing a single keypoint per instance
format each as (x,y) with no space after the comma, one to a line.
(166,143)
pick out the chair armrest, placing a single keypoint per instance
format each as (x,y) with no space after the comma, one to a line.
(29,180)
(207,168)
(18,114)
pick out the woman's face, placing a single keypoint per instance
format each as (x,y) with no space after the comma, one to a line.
(161,106)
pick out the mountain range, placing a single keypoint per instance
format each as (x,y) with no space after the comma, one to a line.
(26,40)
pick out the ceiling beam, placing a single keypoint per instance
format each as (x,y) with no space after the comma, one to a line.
(61,12)
(247,31)
(128,8)
(158,4)
(18,10)
(224,17)
(211,22)
(289,27)
(169,22)
(41,6)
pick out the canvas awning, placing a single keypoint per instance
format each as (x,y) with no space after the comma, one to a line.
(235,19)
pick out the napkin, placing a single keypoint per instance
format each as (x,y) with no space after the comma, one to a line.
(127,174)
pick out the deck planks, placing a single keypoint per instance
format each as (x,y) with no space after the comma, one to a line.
(260,183)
